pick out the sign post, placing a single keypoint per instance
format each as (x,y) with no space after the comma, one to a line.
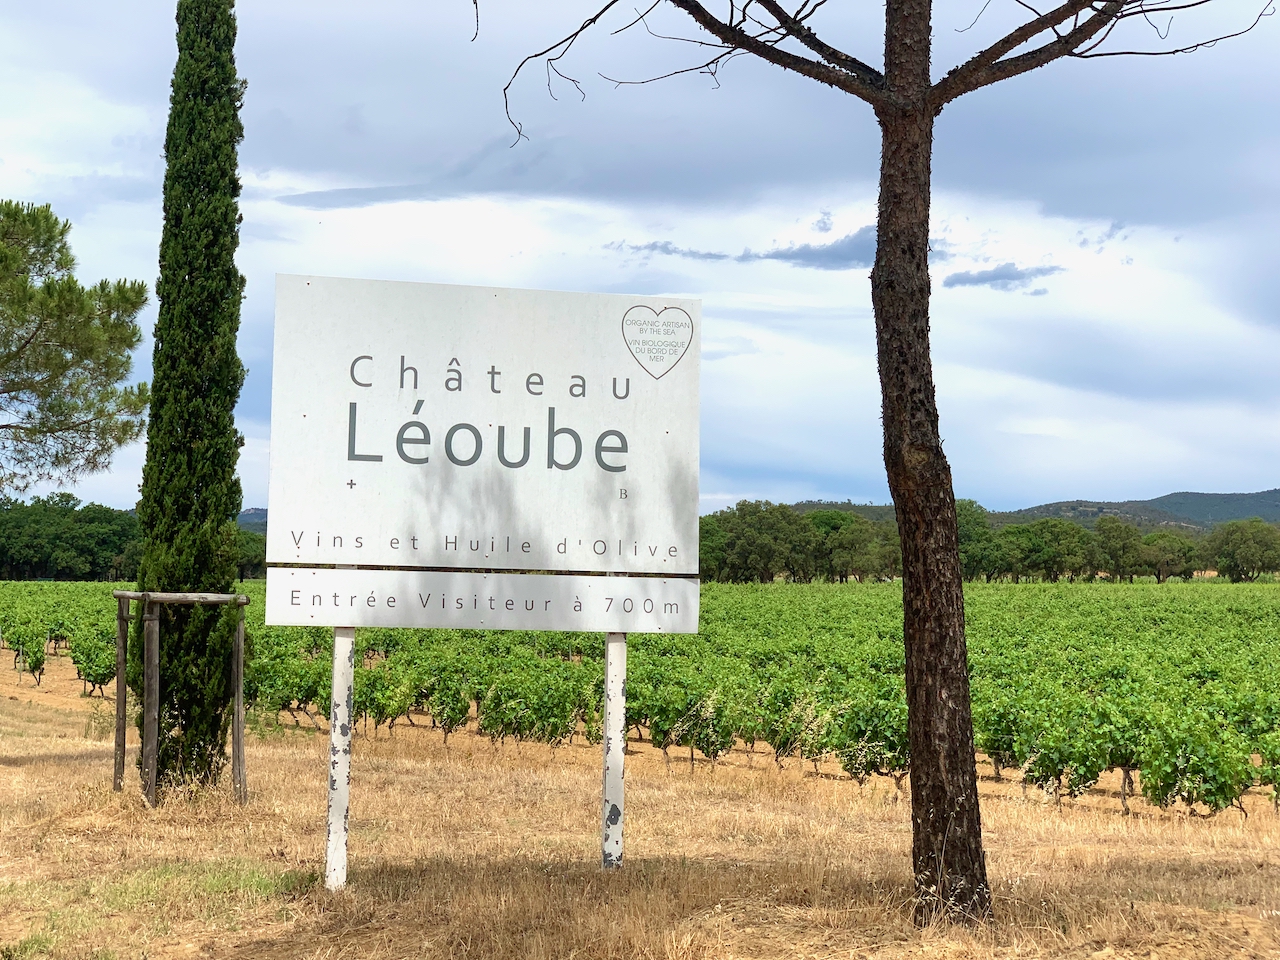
(340,724)
(615,747)
(481,458)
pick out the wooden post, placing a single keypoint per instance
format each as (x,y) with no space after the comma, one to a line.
(237,718)
(340,722)
(615,742)
(150,698)
(150,613)
(122,690)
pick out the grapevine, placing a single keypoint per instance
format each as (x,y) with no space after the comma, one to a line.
(1172,685)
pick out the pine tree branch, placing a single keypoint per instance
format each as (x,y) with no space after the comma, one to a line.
(861,83)
(1081,41)
(1089,54)
(1028,31)
(798,29)
(559,49)
(986,68)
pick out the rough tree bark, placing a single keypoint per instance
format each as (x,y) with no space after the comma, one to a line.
(946,849)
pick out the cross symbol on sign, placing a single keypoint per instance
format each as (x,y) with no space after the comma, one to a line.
(350,484)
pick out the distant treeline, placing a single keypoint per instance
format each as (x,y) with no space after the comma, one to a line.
(761,541)
(58,538)
(1053,549)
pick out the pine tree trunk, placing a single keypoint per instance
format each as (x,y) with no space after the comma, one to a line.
(947,857)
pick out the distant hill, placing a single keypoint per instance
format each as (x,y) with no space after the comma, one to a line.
(254,520)
(1210,508)
(1140,513)
(1190,511)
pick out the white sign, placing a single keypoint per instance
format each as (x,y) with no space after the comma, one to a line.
(427,425)
(482,601)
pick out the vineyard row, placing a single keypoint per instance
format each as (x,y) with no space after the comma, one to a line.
(1172,685)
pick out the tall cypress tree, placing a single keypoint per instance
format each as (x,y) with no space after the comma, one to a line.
(190,492)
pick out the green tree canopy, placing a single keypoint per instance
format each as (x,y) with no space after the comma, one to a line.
(756,540)
(980,554)
(1062,548)
(55,537)
(253,554)
(763,540)
(712,547)
(1017,545)
(864,550)
(1119,546)
(1244,549)
(65,351)
(1167,553)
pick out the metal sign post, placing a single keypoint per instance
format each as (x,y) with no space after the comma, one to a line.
(615,746)
(340,723)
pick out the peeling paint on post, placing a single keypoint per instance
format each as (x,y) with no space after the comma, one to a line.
(344,666)
(615,742)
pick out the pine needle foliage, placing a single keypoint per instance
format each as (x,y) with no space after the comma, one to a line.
(65,351)
(190,492)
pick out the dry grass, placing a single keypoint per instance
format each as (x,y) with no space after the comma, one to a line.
(492,852)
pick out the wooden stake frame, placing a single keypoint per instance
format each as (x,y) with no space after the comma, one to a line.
(122,689)
(150,612)
(150,700)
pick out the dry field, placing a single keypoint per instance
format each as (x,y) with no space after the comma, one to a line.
(483,851)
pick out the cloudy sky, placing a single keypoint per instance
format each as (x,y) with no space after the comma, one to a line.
(1106,311)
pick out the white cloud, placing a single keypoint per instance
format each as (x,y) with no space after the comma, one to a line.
(1142,364)
(1072,394)
(118,487)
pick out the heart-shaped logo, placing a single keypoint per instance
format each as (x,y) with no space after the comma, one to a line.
(657,338)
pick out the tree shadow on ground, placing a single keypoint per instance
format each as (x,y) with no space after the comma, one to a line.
(469,905)
(32,759)
(534,909)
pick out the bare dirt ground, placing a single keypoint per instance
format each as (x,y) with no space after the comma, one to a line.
(492,852)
